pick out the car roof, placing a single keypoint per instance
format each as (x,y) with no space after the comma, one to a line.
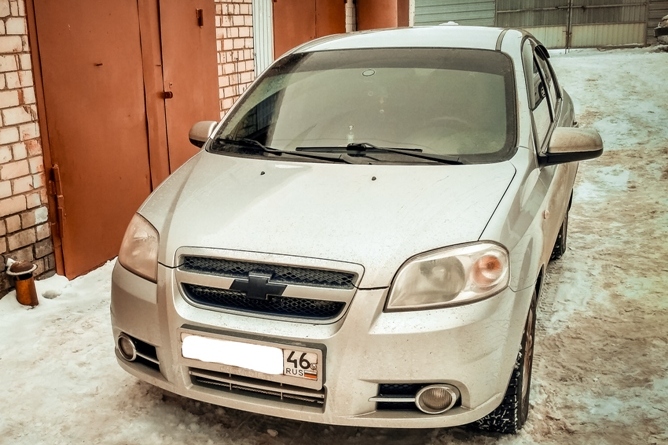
(441,36)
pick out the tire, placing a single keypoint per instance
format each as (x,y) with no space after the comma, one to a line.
(559,248)
(510,416)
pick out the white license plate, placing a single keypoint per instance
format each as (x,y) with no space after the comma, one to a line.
(261,358)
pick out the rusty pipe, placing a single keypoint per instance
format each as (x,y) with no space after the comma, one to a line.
(26,294)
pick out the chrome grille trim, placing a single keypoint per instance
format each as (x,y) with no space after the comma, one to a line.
(234,383)
(290,275)
(385,399)
(149,358)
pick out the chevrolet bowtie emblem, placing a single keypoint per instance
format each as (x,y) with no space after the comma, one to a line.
(257,286)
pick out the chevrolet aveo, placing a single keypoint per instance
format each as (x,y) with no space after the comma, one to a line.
(363,238)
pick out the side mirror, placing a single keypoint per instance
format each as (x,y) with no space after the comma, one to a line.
(200,132)
(569,144)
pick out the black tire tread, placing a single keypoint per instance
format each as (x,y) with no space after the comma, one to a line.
(559,248)
(505,418)
(509,417)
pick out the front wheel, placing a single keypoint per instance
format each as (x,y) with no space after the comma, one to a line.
(511,415)
(559,248)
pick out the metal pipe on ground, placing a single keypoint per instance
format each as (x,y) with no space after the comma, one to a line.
(26,294)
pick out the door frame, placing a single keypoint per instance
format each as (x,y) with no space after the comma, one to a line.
(54,223)
(263,34)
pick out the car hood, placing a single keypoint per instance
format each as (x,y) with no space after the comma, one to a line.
(376,216)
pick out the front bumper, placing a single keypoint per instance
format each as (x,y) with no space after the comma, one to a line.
(472,347)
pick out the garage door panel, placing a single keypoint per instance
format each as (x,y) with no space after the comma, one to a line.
(577,23)
(93,86)
(190,71)
(294,24)
(472,12)
(609,15)
(550,36)
(586,36)
(330,17)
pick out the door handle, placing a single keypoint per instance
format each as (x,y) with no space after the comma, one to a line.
(167,94)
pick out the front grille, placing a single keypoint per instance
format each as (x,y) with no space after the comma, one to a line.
(257,388)
(279,306)
(279,274)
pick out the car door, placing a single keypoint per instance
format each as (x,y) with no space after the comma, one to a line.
(548,112)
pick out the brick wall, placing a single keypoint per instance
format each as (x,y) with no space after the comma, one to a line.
(351,16)
(234,39)
(24,229)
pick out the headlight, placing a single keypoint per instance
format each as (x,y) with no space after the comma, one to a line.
(449,277)
(139,249)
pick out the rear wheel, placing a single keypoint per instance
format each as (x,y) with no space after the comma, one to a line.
(511,415)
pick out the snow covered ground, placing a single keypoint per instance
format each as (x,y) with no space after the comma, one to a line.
(601,364)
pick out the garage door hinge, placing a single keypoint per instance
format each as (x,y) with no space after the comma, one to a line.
(56,190)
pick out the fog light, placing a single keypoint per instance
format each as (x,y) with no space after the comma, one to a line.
(436,399)
(126,347)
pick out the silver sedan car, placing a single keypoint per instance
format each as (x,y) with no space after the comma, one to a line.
(363,238)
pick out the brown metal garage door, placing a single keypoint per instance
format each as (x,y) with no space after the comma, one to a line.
(298,21)
(107,134)
(189,71)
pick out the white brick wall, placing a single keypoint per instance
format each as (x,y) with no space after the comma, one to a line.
(351,16)
(234,40)
(24,230)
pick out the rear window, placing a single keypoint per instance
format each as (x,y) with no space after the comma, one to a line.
(457,102)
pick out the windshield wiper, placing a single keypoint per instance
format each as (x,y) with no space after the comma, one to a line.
(260,147)
(363,149)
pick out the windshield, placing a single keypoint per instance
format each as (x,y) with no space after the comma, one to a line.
(452,102)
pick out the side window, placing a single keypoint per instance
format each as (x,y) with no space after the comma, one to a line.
(530,74)
(539,89)
(547,75)
(541,92)
(542,113)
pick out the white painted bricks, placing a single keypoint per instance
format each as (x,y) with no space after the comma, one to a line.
(24,228)
(234,41)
